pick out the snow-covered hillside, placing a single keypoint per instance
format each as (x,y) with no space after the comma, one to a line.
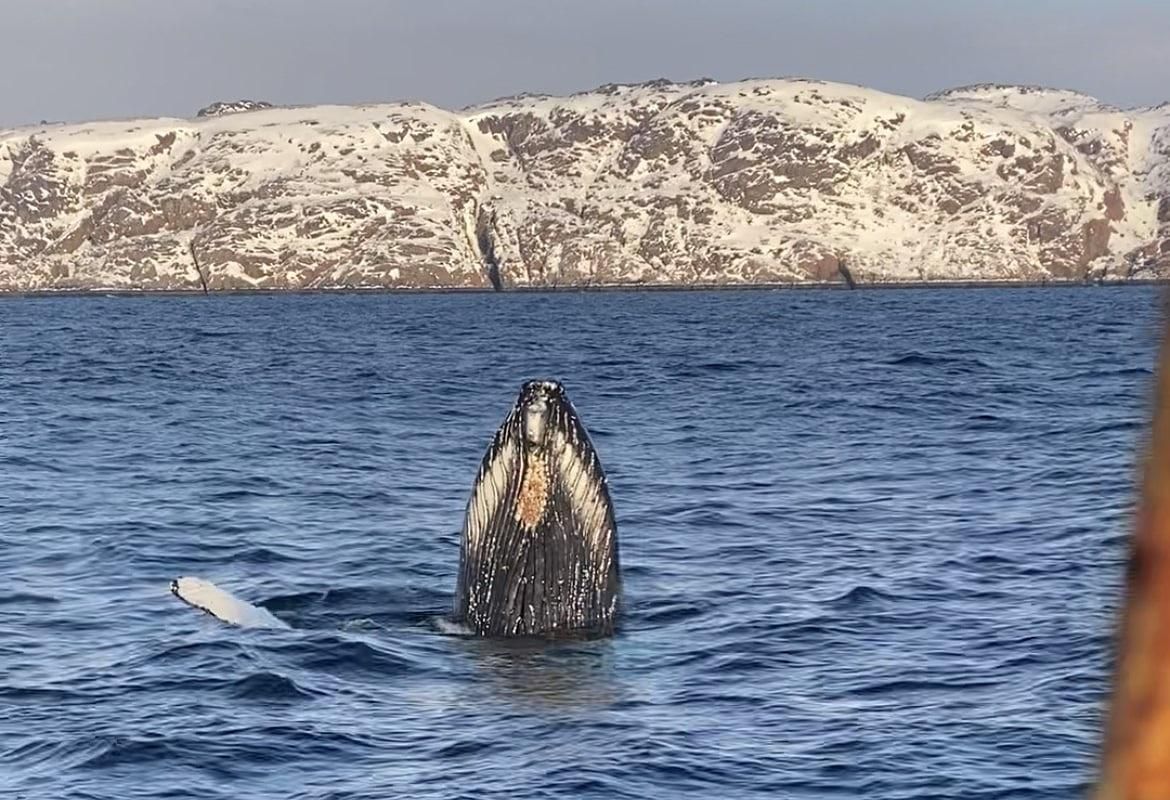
(761,181)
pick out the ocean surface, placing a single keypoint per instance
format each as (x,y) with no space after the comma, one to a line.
(872,543)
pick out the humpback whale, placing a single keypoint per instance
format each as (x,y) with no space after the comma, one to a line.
(538,552)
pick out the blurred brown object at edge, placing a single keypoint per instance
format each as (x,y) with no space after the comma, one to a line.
(1136,756)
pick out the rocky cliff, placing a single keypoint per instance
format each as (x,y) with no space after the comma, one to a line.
(760,181)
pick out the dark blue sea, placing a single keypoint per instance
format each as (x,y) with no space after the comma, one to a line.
(871,541)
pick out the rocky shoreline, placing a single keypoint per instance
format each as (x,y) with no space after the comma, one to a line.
(653,288)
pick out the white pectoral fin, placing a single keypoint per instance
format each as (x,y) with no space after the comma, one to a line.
(491,485)
(584,482)
(223,605)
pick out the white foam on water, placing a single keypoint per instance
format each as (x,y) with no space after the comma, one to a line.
(449,628)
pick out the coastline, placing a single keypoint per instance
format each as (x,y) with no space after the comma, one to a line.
(970,188)
(584,289)
(603,288)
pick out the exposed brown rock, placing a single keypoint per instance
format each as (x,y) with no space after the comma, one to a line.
(1114,205)
(1096,240)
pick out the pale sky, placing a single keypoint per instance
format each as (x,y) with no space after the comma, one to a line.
(95,59)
